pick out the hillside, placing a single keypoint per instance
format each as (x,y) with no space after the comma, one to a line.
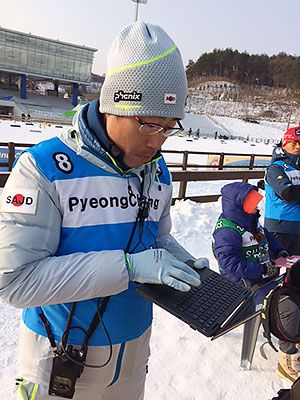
(221,97)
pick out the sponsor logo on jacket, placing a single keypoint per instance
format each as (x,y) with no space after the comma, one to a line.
(21,201)
(123,202)
(102,200)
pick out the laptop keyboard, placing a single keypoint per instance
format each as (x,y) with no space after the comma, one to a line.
(208,302)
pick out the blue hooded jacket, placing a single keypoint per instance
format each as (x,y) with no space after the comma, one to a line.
(228,242)
(282,216)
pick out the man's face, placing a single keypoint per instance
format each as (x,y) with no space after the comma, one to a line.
(137,147)
(292,147)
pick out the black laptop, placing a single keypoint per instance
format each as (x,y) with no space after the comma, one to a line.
(215,307)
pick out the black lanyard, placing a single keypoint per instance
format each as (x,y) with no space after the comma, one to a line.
(84,346)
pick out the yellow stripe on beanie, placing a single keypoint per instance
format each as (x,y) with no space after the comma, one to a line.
(126,107)
(113,71)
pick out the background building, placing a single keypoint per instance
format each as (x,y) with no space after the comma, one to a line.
(26,59)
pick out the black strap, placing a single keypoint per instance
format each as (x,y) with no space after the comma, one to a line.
(95,322)
(70,316)
(47,327)
(142,214)
(93,325)
(131,236)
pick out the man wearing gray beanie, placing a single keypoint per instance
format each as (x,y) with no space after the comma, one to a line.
(86,217)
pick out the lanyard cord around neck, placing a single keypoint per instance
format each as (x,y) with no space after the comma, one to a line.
(82,353)
(143,213)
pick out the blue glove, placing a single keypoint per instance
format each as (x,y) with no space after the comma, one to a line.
(159,266)
(201,263)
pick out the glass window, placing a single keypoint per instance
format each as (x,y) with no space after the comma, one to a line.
(51,64)
(23,59)
(26,53)
(2,49)
(31,43)
(8,54)
(71,67)
(52,48)
(30,60)
(15,58)
(39,44)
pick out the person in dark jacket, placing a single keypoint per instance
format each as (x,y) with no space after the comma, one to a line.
(282,185)
(245,251)
(243,248)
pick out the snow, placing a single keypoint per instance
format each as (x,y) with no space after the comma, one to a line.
(184,365)
(22,132)
(264,129)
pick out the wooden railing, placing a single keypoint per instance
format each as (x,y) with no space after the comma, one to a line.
(197,176)
(207,172)
(187,171)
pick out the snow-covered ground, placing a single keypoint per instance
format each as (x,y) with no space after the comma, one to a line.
(263,129)
(22,132)
(184,364)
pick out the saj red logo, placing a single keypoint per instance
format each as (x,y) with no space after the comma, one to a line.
(18,200)
(22,201)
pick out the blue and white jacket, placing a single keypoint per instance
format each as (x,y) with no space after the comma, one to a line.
(284,171)
(67,212)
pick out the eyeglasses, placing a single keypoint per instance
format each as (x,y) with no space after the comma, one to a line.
(294,143)
(148,128)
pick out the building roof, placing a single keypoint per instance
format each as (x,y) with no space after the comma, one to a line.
(49,40)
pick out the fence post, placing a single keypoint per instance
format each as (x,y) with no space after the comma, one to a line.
(221,161)
(251,165)
(182,186)
(11,155)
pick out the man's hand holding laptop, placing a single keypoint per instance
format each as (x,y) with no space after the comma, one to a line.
(160,267)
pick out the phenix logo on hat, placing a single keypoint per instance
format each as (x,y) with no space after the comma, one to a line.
(146,75)
(291,135)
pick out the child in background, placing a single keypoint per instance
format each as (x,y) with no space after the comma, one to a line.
(243,248)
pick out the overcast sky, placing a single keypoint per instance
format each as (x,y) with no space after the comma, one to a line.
(196,26)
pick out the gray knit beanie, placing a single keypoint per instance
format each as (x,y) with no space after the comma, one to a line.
(145,74)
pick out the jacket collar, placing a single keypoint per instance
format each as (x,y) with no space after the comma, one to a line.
(279,154)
